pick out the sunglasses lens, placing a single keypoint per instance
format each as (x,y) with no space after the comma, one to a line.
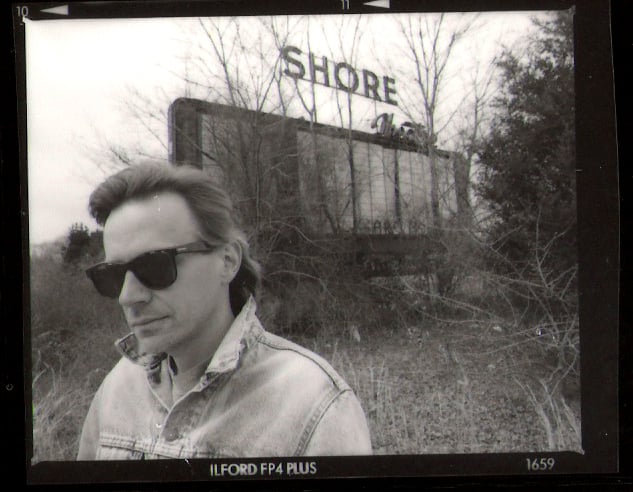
(155,270)
(107,279)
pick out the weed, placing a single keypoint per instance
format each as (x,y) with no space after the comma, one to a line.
(429,380)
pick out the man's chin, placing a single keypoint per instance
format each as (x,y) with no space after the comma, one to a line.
(149,329)
(150,342)
(147,346)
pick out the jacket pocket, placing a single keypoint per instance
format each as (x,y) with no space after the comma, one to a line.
(113,447)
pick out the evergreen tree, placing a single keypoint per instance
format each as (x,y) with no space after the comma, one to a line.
(527,160)
(77,243)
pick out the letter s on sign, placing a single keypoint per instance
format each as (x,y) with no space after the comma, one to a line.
(285,53)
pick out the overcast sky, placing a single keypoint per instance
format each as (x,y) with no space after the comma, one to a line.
(79,74)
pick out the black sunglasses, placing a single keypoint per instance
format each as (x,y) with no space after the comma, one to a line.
(154,269)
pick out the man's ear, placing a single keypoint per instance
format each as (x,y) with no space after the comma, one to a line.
(232,257)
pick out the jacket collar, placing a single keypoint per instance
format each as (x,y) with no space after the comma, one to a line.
(243,329)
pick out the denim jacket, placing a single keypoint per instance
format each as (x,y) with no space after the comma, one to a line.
(261,395)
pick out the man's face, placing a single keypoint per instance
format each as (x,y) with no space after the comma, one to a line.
(180,318)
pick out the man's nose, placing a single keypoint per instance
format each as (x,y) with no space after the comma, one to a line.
(133,291)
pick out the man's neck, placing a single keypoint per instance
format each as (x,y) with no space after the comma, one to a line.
(183,381)
(187,367)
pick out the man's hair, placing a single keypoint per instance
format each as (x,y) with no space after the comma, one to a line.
(210,204)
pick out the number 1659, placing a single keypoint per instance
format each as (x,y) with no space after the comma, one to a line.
(540,464)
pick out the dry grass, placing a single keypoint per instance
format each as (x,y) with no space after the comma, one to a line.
(427,385)
(72,334)
(443,388)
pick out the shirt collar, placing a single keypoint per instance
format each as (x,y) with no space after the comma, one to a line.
(225,358)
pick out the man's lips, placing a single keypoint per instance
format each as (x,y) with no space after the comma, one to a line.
(139,323)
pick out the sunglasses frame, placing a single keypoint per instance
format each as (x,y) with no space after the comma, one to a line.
(94,272)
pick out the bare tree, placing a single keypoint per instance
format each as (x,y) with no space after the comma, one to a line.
(349,49)
(429,46)
(318,161)
(476,116)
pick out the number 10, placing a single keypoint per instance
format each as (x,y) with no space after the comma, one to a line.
(23,10)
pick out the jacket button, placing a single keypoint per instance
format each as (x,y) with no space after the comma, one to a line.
(171,436)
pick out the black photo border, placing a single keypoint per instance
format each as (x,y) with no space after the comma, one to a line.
(598,239)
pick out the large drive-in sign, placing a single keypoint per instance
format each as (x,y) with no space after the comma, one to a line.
(334,181)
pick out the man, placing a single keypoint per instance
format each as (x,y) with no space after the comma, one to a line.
(199,376)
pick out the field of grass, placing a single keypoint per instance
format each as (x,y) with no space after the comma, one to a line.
(454,389)
(427,385)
